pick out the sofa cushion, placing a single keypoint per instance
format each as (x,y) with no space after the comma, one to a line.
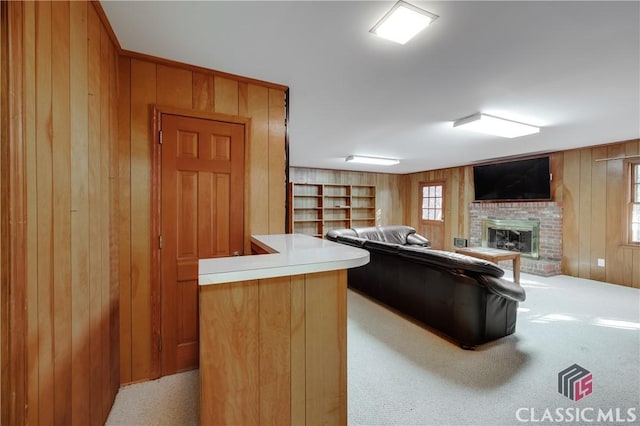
(396,234)
(449,260)
(372,233)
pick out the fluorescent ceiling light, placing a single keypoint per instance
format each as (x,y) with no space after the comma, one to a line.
(372,160)
(496,126)
(403,22)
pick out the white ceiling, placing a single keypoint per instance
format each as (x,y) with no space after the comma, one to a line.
(571,67)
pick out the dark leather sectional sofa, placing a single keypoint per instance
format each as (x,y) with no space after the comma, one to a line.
(463,297)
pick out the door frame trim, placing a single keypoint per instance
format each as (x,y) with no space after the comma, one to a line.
(156,173)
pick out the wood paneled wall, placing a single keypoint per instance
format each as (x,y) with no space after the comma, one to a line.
(145,82)
(65,125)
(391,189)
(276,351)
(458,195)
(595,196)
(458,187)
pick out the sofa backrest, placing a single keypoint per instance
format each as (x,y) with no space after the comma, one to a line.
(334,234)
(449,260)
(400,234)
(372,233)
(393,234)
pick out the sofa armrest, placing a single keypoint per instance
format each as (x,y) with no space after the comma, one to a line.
(335,233)
(351,241)
(503,288)
(418,240)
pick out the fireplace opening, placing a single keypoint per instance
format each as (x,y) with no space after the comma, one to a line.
(507,239)
(514,235)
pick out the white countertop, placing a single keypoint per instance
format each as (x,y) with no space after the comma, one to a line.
(293,254)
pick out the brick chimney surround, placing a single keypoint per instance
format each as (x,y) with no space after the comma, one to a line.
(550,242)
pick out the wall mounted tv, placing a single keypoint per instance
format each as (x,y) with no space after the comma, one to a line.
(528,179)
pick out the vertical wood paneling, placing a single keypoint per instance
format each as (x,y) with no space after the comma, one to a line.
(14,217)
(615,217)
(556,162)
(599,208)
(109,204)
(391,196)
(229,341)
(275,350)
(95,218)
(468,197)
(99,218)
(45,213)
(277,187)
(104,224)
(203,95)
(61,151)
(225,96)
(124,157)
(4,234)
(453,187)
(580,207)
(114,230)
(257,107)
(592,195)
(174,87)
(631,262)
(67,71)
(151,84)
(32,383)
(298,359)
(80,315)
(143,95)
(570,229)
(327,332)
(598,213)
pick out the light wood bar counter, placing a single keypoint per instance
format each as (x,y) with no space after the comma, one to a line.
(273,333)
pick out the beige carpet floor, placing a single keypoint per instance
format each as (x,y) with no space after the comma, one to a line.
(400,373)
(171,401)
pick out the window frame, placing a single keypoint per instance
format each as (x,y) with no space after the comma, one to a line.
(421,201)
(633,182)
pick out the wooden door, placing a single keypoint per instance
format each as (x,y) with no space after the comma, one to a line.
(202,216)
(432,210)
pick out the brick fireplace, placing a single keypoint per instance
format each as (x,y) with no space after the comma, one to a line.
(514,226)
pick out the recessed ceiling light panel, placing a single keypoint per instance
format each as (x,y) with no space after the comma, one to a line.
(403,22)
(496,126)
(371,160)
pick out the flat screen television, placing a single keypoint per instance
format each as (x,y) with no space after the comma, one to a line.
(528,179)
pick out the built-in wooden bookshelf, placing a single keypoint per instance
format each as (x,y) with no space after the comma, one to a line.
(316,208)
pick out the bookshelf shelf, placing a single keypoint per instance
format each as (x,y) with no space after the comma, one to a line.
(316,208)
